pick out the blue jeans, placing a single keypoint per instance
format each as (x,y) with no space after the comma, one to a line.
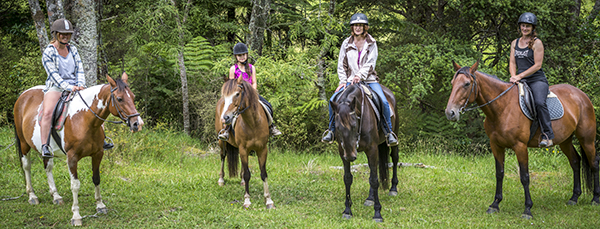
(386,106)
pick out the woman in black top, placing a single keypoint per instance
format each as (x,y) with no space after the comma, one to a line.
(526,57)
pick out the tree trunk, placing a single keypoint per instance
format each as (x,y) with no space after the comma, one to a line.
(55,9)
(86,37)
(40,23)
(322,68)
(182,71)
(258,24)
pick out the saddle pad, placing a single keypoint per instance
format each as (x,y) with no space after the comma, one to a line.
(555,107)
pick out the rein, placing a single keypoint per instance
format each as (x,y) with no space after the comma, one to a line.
(116,105)
(238,112)
(464,108)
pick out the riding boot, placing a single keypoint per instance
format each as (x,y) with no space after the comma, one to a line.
(392,140)
(107,145)
(224,134)
(328,138)
(46,153)
(545,142)
(274,131)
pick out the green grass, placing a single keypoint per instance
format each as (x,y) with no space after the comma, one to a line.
(162,179)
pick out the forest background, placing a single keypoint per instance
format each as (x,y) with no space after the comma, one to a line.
(178,52)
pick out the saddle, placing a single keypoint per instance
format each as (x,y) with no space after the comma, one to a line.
(268,111)
(373,99)
(527,105)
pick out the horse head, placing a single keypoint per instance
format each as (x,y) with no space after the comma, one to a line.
(122,100)
(347,122)
(464,90)
(237,95)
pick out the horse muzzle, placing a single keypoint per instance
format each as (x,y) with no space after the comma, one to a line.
(452,114)
(227,119)
(135,124)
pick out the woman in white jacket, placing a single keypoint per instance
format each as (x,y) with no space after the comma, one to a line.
(356,62)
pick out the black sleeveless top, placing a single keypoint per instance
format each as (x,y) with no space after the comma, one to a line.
(524,60)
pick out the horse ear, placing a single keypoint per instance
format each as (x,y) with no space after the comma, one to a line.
(456,66)
(334,106)
(474,67)
(124,77)
(111,81)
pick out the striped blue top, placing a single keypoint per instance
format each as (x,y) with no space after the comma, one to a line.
(52,64)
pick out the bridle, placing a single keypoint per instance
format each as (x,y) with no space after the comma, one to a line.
(238,112)
(464,107)
(362,108)
(120,111)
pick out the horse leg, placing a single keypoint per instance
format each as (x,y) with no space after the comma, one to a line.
(96,159)
(222,173)
(374,182)
(26,166)
(499,157)
(575,162)
(592,169)
(75,185)
(347,214)
(523,160)
(262,161)
(48,166)
(395,158)
(246,176)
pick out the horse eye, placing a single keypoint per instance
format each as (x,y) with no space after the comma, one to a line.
(467,84)
(119,99)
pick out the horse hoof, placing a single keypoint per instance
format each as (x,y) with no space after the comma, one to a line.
(346,216)
(270,206)
(571,202)
(369,203)
(393,193)
(527,216)
(34,201)
(242,183)
(59,201)
(102,210)
(378,220)
(246,206)
(492,210)
(76,222)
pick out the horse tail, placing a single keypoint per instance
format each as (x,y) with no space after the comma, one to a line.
(233,156)
(383,165)
(586,169)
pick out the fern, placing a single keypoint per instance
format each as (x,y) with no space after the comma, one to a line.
(198,56)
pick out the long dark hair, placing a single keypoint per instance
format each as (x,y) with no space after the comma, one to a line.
(246,65)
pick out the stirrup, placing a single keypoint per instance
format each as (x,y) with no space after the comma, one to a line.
(108,145)
(387,139)
(223,134)
(325,134)
(274,131)
(46,152)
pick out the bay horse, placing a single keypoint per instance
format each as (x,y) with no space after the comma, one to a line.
(239,100)
(81,136)
(507,127)
(357,130)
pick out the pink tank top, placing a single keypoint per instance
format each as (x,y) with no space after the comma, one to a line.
(244,75)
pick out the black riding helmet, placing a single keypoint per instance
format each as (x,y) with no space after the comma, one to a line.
(359,18)
(240,48)
(529,18)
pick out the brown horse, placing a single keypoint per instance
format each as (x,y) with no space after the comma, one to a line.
(357,130)
(239,100)
(81,136)
(508,127)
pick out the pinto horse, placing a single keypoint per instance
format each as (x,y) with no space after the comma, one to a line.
(81,136)
(239,100)
(357,130)
(508,127)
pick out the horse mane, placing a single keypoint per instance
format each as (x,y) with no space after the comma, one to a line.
(231,85)
(346,99)
(467,71)
(120,84)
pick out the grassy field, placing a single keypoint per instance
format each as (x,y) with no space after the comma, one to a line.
(162,179)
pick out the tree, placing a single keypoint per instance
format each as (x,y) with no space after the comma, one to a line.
(40,23)
(258,24)
(85,22)
(180,59)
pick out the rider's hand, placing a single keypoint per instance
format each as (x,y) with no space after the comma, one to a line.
(356,79)
(339,87)
(514,79)
(78,88)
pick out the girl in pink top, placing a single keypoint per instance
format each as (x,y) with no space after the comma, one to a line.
(243,69)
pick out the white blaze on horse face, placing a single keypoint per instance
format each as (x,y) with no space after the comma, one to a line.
(228,102)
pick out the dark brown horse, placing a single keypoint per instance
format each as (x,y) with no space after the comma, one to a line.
(239,100)
(81,136)
(508,127)
(356,130)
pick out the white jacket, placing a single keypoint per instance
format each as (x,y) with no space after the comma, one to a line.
(347,62)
